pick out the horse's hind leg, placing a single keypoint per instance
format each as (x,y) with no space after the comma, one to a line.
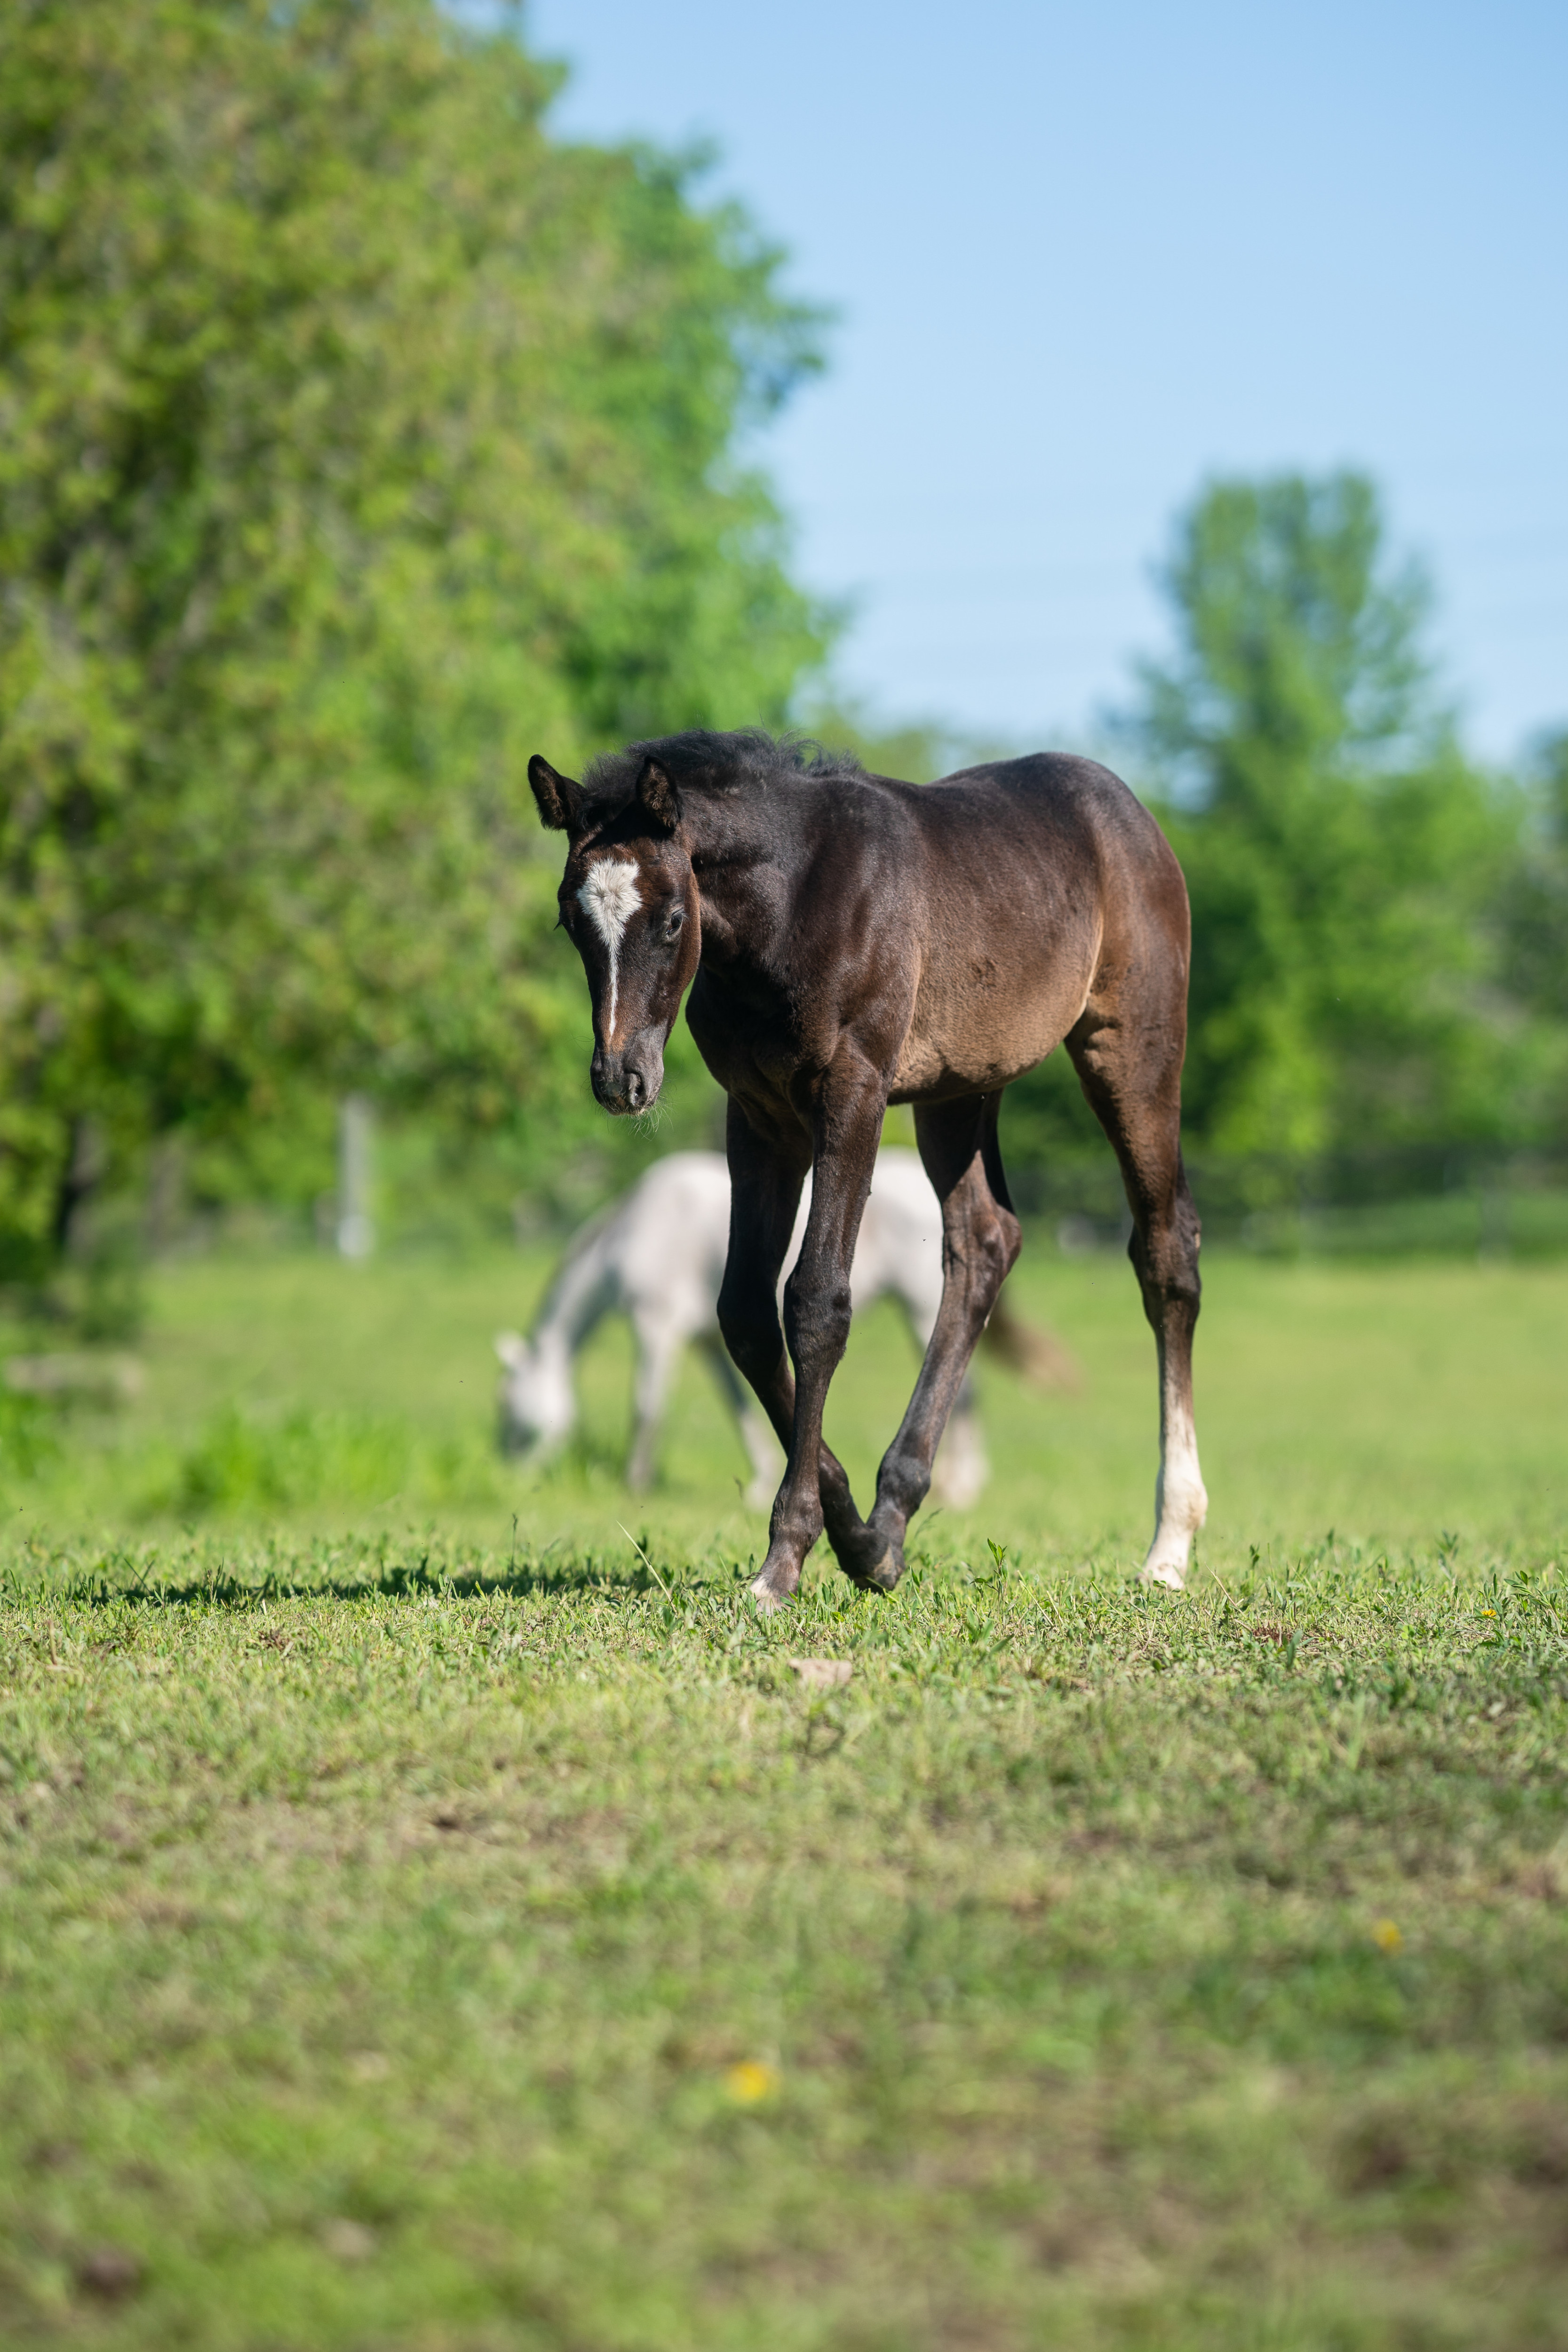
(979,1246)
(959,1469)
(1133,1086)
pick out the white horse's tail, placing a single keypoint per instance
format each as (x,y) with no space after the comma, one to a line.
(1035,1355)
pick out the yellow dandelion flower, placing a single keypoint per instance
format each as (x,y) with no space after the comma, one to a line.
(751,2081)
(1387,1936)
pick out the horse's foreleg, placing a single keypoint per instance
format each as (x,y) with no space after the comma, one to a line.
(849,1110)
(766,1177)
(979,1243)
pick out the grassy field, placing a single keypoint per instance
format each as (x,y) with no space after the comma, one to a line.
(428,1920)
(1392,1403)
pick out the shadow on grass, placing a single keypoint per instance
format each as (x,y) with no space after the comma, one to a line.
(220,1588)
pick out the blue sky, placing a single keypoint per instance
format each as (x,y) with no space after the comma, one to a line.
(1083,256)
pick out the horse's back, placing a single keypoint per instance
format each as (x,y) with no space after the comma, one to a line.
(1036,872)
(1050,804)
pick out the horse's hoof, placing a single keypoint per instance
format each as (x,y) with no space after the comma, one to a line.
(1165,1572)
(770,1593)
(882,1575)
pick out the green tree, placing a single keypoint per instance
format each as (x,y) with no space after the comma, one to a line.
(1344,859)
(356,440)
(1535,903)
(916,750)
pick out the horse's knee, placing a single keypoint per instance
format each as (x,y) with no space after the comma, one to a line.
(749,1324)
(817,1318)
(904,1475)
(987,1249)
(1003,1240)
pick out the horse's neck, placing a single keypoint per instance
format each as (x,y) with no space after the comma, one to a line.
(579,1296)
(739,848)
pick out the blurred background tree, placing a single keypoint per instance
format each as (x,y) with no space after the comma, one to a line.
(917,751)
(355,441)
(1358,978)
(1534,909)
(358,438)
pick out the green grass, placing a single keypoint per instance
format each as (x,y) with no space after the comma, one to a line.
(1392,1403)
(416,1934)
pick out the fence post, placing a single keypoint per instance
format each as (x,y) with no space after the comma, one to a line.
(1492,1241)
(357,1234)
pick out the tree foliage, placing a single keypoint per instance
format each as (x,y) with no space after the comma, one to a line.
(1535,903)
(356,439)
(1344,859)
(1375,926)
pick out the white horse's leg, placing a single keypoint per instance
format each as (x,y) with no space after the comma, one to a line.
(767,1460)
(961,1468)
(761,1448)
(657,1345)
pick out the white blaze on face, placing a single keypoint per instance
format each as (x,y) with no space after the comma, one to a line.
(610,897)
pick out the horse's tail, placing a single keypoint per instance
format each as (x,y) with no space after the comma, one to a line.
(1038,1355)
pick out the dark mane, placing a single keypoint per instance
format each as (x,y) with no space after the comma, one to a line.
(701,760)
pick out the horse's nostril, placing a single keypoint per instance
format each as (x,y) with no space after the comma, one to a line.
(634,1089)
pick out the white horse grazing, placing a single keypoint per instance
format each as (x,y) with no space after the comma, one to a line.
(657,1256)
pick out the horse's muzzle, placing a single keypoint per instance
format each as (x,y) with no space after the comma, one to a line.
(628,1081)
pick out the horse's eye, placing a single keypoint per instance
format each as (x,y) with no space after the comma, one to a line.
(673,922)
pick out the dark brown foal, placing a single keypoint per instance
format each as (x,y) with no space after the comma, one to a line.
(852,941)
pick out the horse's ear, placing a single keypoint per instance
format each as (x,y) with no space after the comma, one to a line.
(560,800)
(658,797)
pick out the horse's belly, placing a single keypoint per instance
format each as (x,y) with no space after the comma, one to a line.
(982,1035)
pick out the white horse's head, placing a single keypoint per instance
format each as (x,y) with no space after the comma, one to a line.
(534,1398)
